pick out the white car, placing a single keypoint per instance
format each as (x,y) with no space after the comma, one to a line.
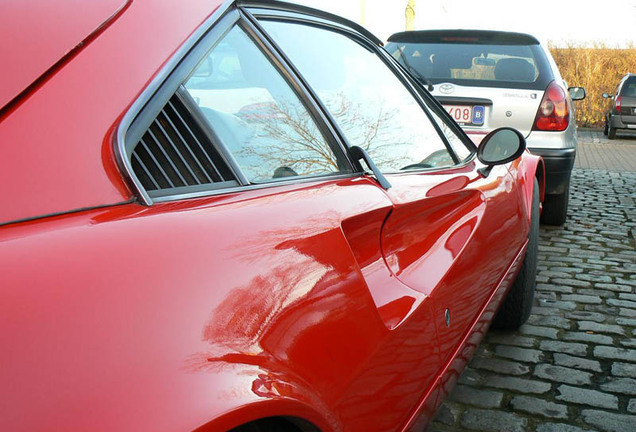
(489,79)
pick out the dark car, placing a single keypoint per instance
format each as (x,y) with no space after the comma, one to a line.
(622,114)
(244,217)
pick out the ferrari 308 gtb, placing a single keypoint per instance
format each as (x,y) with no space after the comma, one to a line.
(241,216)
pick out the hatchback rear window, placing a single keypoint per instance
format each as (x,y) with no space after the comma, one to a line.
(629,88)
(474,63)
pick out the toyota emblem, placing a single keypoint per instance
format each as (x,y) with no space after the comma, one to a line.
(446,88)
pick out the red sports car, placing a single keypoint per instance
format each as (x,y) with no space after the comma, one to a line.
(241,216)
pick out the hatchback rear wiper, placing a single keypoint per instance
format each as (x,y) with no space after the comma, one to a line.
(421,78)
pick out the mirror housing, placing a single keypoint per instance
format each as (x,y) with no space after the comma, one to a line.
(577,93)
(499,147)
(607,96)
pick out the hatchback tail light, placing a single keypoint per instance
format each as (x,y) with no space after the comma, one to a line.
(553,113)
(618,103)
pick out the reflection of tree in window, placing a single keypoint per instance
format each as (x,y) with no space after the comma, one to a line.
(370,104)
(286,137)
(256,114)
(374,129)
(293,141)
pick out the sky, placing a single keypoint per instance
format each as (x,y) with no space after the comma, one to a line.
(581,22)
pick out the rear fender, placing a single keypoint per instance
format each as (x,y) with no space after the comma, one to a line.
(304,417)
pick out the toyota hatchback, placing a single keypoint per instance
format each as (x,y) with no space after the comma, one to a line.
(489,79)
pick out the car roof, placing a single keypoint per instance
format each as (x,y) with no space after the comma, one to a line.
(462,36)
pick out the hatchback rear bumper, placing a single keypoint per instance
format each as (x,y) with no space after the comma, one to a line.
(623,121)
(558,167)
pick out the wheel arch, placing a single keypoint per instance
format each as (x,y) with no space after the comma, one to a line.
(265,399)
(282,415)
(532,167)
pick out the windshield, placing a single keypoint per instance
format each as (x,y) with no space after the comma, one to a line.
(516,66)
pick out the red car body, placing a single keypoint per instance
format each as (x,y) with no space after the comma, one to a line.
(322,301)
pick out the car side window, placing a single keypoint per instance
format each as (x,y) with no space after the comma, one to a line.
(370,104)
(257,115)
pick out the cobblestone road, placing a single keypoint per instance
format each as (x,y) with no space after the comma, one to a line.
(572,367)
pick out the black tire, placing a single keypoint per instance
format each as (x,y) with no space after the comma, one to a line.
(273,424)
(605,128)
(611,132)
(516,307)
(555,207)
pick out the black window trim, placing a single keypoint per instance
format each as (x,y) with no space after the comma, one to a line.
(277,8)
(169,81)
(425,100)
(286,63)
(306,95)
(428,102)
(436,106)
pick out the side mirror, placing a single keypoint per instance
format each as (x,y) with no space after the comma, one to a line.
(607,96)
(500,146)
(577,93)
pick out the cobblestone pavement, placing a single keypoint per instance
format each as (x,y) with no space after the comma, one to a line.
(596,151)
(572,367)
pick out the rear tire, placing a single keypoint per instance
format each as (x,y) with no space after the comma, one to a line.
(611,132)
(605,128)
(516,307)
(555,208)
(272,424)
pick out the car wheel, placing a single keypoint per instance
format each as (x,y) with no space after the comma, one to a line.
(515,309)
(605,128)
(611,132)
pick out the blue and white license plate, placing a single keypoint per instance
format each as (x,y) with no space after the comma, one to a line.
(467,115)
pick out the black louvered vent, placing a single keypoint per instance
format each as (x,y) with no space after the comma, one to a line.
(174,152)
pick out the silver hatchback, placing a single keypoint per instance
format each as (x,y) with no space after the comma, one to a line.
(489,79)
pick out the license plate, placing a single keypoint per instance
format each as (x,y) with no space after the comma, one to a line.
(633,110)
(466,115)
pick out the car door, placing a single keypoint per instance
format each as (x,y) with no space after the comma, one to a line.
(293,235)
(452,232)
